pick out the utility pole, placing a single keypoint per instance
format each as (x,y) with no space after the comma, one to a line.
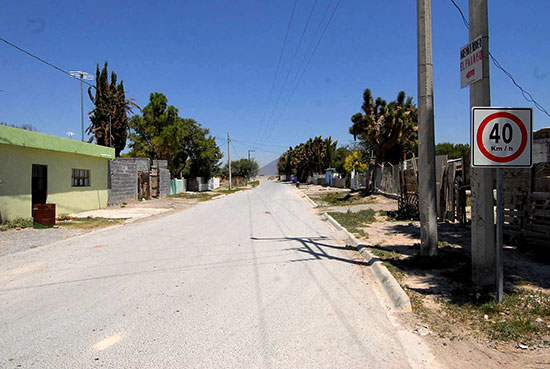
(82,104)
(81,76)
(483,225)
(426,144)
(229,158)
(249,151)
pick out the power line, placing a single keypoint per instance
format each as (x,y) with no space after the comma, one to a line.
(461,14)
(236,152)
(258,143)
(42,60)
(292,62)
(255,147)
(305,61)
(277,69)
(304,70)
(526,95)
(312,42)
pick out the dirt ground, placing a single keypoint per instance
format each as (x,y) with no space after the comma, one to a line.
(14,240)
(460,337)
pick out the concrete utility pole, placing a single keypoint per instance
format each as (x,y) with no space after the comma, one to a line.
(426,144)
(229,158)
(483,224)
(249,151)
(82,104)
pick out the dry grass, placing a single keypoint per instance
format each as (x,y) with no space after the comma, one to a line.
(201,196)
(340,199)
(16,223)
(90,223)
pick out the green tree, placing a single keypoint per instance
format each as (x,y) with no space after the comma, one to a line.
(161,134)
(340,158)
(313,156)
(283,165)
(389,129)
(110,103)
(354,162)
(453,151)
(200,153)
(243,168)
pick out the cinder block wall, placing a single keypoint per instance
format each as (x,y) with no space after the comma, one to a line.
(161,164)
(164,182)
(164,177)
(122,180)
(143,164)
(541,150)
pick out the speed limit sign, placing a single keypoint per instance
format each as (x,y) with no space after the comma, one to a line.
(501,137)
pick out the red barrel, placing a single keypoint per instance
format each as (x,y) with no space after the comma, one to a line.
(44,215)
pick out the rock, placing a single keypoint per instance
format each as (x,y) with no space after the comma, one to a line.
(422,331)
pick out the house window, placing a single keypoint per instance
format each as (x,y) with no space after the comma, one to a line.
(81,178)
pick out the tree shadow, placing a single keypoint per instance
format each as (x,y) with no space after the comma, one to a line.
(312,246)
(449,272)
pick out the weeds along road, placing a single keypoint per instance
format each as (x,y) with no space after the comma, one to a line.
(253,280)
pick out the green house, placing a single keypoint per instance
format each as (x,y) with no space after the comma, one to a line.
(36,168)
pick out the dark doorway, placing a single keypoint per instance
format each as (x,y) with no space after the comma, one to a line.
(39,184)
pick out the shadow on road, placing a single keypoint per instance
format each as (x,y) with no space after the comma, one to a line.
(312,246)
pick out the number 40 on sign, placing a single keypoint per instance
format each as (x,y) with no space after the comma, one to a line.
(501,137)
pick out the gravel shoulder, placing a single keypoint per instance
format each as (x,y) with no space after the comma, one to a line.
(14,241)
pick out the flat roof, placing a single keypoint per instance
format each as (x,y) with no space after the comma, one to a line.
(24,138)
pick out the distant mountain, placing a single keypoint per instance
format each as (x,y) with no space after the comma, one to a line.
(270,169)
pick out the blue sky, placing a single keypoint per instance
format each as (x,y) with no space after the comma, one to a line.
(216,60)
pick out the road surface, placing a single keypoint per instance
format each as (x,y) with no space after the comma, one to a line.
(252,280)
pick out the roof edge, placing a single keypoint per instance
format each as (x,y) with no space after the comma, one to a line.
(24,138)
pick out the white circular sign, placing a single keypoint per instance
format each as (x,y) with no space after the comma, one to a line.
(501,137)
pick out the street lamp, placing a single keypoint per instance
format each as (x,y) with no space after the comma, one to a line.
(81,76)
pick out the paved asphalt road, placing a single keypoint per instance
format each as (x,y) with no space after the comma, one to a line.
(253,280)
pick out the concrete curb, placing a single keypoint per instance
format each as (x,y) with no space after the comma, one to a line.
(397,295)
(309,201)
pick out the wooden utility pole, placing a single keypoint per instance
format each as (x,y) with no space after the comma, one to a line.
(483,223)
(426,144)
(229,158)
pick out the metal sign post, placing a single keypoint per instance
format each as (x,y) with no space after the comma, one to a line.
(500,235)
(501,138)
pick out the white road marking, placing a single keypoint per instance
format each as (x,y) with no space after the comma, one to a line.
(107,342)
